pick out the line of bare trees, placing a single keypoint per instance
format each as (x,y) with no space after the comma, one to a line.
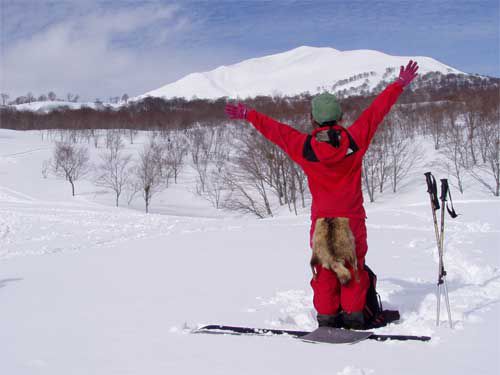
(52,97)
(239,170)
(392,154)
(235,168)
(178,113)
(470,134)
(161,159)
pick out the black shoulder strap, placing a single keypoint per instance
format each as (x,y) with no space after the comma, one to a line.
(352,144)
(307,150)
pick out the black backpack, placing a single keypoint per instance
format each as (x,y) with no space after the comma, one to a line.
(374,314)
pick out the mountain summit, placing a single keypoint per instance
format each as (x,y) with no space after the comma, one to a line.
(303,69)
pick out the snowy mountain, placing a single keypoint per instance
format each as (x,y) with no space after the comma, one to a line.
(296,71)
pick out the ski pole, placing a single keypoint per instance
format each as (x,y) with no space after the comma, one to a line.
(442,272)
(432,190)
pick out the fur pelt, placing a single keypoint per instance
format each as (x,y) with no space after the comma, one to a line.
(334,247)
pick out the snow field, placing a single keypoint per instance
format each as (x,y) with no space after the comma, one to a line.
(86,288)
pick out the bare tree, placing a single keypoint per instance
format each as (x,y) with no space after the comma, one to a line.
(113,140)
(113,170)
(133,186)
(125,98)
(216,184)
(131,134)
(250,179)
(148,172)
(472,117)
(402,151)
(52,96)
(200,157)
(456,152)
(71,162)
(383,138)
(371,165)
(488,173)
(301,183)
(45,167)
(162,160)
(206,144)
(5,97)
(176,152)
(433,117)
(241,196)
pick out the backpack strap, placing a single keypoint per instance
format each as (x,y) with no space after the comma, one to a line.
(334,136)
(308,152)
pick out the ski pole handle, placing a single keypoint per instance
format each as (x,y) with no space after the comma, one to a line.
(444,189)
(432,189)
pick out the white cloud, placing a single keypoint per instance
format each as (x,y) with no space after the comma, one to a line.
(90,55)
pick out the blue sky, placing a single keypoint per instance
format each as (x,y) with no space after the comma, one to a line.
(106,48)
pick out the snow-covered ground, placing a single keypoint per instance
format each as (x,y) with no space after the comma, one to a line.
(87,288)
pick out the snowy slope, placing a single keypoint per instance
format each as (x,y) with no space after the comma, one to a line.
(47,106)
(86,288)
(293,72)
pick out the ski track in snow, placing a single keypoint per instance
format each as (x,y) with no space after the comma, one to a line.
(37,230)
(24,152)
(32,227)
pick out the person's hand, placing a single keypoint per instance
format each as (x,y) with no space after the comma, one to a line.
(408,74)
(236,112)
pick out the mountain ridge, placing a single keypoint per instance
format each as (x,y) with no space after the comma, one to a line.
(302,69)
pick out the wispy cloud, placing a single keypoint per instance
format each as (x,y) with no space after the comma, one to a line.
(95,52)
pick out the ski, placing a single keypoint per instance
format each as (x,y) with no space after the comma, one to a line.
(338,335)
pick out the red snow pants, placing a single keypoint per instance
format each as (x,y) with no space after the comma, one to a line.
(329,294)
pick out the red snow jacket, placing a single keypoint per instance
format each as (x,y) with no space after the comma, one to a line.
(334,177)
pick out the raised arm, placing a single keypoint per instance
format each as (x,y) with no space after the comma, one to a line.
(287,138)
(364,128)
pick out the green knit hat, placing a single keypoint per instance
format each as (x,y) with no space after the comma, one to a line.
(325,108)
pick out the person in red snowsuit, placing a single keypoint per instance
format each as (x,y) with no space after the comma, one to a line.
(333,168)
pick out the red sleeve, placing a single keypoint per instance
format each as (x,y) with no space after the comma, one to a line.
(287,138)
(364,128)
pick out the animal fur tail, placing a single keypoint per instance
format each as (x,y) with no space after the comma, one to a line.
(334,248)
